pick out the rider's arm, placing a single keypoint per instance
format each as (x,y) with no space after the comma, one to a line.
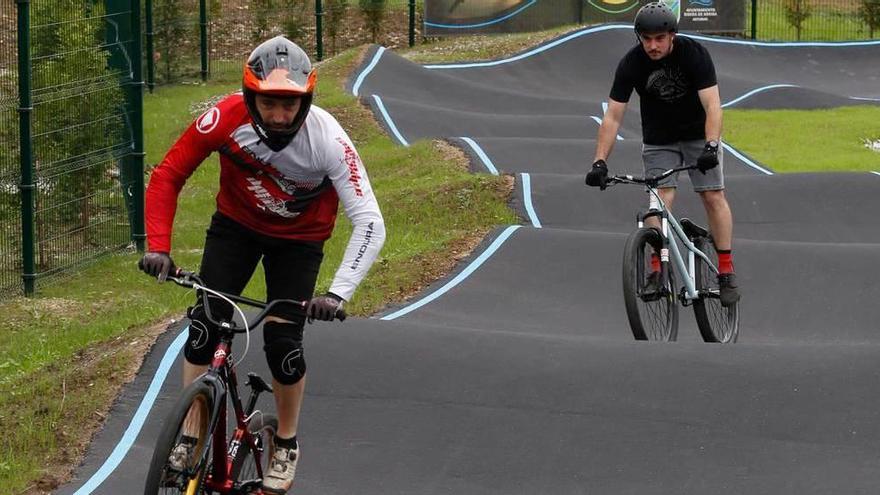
(608,129)
(352,185)
(168,178)
(711,100)
(621,90)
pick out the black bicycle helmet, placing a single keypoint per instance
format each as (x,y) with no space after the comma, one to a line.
(655,17)
(278,67)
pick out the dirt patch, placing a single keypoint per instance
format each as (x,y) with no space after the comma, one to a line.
(90,382)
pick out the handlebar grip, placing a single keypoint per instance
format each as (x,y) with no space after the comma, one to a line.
(340,315)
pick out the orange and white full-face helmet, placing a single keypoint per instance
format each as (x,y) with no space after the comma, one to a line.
(279,68)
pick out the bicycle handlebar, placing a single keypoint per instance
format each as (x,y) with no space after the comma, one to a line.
(189,280)
(648,181)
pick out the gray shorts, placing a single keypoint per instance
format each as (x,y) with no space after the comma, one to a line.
(659,158)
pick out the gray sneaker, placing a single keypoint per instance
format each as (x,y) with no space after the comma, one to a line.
(282,468)
(728,288)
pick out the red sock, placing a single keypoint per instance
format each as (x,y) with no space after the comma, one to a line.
(725,261)
(655,262)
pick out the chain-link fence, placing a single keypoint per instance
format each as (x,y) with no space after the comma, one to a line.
(73,171)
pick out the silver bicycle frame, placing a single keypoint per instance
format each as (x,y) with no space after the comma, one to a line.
(688,272)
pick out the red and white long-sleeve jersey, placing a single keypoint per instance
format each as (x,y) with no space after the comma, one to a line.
(293,193)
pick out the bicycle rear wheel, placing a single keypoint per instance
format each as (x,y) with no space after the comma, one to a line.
(190,417)
(652,313)
(716,323)
(244,466)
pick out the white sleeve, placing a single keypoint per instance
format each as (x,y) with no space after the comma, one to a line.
(356,194)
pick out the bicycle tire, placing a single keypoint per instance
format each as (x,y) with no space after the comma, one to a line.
(717,324)
(161,480)
(650,318)
(244,470)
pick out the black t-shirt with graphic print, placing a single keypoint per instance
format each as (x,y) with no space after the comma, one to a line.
(667,88)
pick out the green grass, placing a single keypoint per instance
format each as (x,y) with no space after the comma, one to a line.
(431,206)
(807,140)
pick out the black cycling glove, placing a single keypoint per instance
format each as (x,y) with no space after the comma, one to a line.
(709,158)
(323,307)
(156,264)
(598,175)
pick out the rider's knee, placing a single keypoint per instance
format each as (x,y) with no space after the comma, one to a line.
(284,351)
(714,199)
(202,339)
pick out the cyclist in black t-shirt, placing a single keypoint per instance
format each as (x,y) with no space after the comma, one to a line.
(681,124)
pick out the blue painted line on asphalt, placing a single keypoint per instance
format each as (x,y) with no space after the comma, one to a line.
(487,162)
(527,200)
(388,120)
(485,23)
(756,91)
(521,56)
(746,160)
(610,27)
(140,417)
(599,121)
(363,75)
(485,255)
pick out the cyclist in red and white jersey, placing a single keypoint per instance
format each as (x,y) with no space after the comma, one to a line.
(285,165)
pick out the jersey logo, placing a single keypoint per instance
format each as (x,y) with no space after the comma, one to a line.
(209,121)
(667,84)
(352,161)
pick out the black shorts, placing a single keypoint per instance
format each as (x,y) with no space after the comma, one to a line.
(232,252)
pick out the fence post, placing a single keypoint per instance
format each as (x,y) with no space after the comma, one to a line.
(151,64)
(203,36)
(412,23)
(25,139)
(754,19)
(136,158)
(319,29)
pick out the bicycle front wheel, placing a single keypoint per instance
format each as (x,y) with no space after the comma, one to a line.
(651,309)
(716,323)
(263,427)
(174,470)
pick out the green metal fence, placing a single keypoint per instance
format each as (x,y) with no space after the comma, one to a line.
(234,27)
(71,163)
(814,20)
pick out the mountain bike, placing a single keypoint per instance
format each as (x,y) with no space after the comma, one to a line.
(226,457)
(650,295)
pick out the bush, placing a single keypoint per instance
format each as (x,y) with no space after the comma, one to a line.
(374,13)
(869,11)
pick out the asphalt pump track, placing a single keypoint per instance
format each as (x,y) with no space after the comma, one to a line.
(518,374)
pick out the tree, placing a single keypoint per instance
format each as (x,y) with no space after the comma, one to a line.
(79,118)
(336,10)
(869,11)
(374,13)
(797,12)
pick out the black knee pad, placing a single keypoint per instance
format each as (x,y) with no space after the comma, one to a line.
(203,337)
(284,351)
